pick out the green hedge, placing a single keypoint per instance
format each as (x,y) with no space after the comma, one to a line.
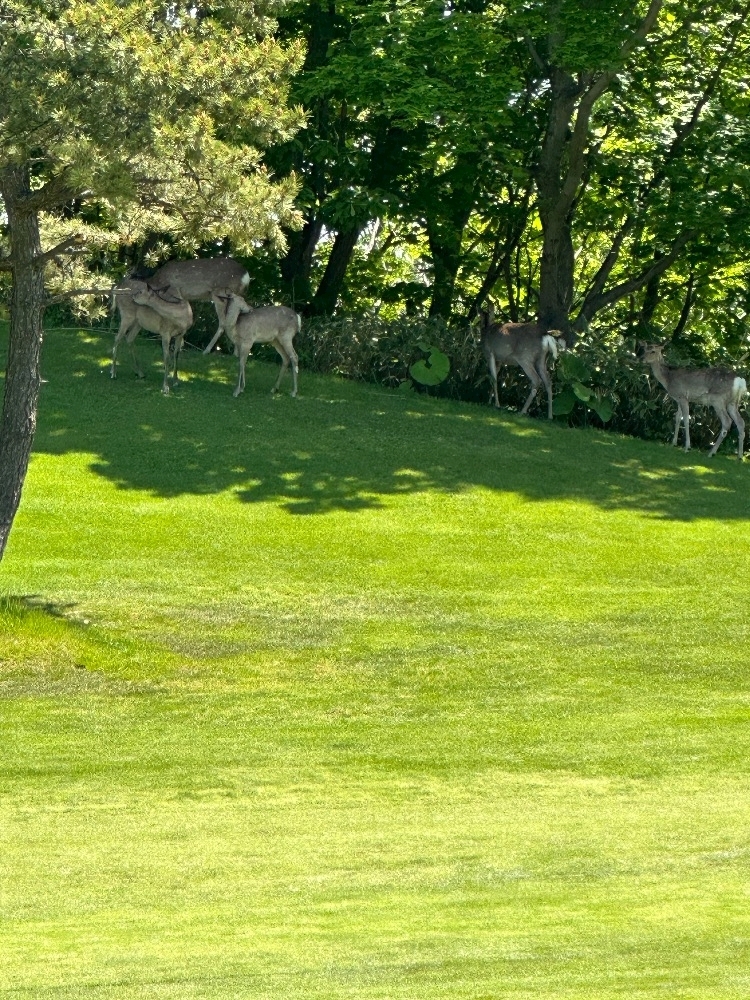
(599,383)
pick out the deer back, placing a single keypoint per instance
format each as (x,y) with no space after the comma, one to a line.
(701,385)
(513,341)
(267,324)
(195,280)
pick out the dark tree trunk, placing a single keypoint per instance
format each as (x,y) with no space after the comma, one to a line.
(449,201)
(329,289)
(556,274)
(687,305)
(561,171)
(23,375)
(296,266)
(651,297)
(445,249)
(556,190)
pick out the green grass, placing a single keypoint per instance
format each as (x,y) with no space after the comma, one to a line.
(366,695)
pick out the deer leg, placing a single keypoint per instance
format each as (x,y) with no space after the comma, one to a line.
(685,408)
(295,368)
(739,423)
(177,348)
(288,354)
(113,366)
(131,344)
(726,423)
(244,352)
(493,377)
(281,351)
(532,374)
(677,422)
(129,333)
(207,350)
(165,339)
(541,369)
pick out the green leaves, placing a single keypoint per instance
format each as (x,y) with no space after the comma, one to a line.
(155,118)
(574,375)
(431,370)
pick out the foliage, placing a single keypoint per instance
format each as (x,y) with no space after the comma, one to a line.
(370,349)
(145,118)
(601,381)
(121,121)
(426,132)
(431,370)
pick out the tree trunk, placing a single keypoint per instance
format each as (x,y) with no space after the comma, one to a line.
(329,289)
(296,266)
(445,249)
(23,375)
(561,170)
(556,190)
(556,274)
(651,298)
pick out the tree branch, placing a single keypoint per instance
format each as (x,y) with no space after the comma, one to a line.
(596,304)
(540,64)
(55,192)
(62,296)
(579,139)
(594,294)
(71,244)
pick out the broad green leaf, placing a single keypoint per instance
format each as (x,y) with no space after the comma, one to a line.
(564,402)
(433,370)
(602,408)
(573,368)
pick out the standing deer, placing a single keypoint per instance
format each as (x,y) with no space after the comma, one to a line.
(720,388)
(143,308)
(195,280)
(245,326)
(526,345)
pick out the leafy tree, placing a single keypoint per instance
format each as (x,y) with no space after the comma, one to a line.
(118,119)
(409,116)
(568,157)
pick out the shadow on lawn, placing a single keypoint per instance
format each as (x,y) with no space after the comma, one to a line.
(344,446)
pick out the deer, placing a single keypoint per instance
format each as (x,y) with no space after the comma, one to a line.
(245,326)
(720,388)
(195,280)
(524,344)
(158,311)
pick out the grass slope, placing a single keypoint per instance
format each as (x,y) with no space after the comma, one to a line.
(366,695)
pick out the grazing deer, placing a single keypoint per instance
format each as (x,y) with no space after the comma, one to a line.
(195,280)
(245,326)
(143,308)
(720,388)
(524,344)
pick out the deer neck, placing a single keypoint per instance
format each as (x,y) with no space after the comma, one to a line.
(661,372)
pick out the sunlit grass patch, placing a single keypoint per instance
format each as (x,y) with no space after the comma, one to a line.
(312,698)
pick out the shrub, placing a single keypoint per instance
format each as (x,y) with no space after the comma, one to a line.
(600,383)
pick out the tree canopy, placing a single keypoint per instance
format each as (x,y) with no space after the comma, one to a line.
(567,158)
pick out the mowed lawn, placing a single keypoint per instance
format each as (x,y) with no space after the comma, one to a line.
(367,695)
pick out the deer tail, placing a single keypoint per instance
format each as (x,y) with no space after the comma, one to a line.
(550,345)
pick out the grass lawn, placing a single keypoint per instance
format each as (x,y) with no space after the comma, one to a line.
(367,695)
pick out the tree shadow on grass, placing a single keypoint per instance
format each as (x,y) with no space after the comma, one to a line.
(345,446)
